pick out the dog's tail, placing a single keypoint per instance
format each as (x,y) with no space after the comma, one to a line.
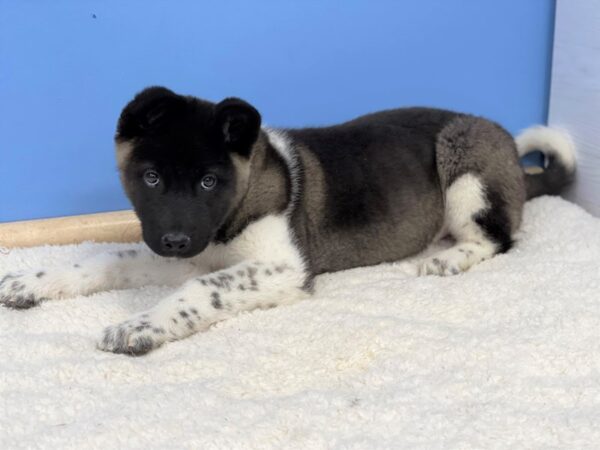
(559,160)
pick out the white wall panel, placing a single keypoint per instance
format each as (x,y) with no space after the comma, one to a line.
(575,92)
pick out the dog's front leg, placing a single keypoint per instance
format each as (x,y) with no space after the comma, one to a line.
(111,270)
(207,299)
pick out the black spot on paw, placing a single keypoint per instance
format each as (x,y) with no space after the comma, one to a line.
(8,277)
(143,326)
(216,300)
(140,346)
(40,274)
(282,268)
(309,284)
(183,314)
(21,301)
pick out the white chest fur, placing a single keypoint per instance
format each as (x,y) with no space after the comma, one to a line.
(268,239)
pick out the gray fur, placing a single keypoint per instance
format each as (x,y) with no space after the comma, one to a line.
(372,194)
(475,145)
(375,189)
(360,193)
(264,192)
(372,190)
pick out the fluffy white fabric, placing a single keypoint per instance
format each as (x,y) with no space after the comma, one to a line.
(505,355)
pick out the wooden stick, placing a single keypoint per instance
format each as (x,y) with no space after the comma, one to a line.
(116,226)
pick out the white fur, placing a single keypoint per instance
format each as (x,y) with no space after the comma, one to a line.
(267,239)
(260,268)
(103,272)
(282,143)
(507,357)
(550,141)
(464,198)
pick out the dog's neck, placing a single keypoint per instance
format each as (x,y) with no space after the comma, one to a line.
(263,188)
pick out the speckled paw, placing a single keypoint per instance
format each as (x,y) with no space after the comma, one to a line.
(136,336)
(439,266)
(16,291)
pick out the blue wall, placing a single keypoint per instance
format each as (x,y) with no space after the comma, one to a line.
(68,67)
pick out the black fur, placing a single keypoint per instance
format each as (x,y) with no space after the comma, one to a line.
(495,221)
(371,189)
(239,123)
(551,181)
(216,300)
(183,139)
(380,175)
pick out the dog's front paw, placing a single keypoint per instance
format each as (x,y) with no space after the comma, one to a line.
(136,336)
(18,290)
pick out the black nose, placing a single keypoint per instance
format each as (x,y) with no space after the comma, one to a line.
(175,242)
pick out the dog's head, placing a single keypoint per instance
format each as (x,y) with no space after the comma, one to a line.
(182,162)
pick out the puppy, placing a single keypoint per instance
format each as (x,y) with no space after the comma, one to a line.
(240,217)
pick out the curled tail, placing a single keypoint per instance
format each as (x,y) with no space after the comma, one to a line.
(559,160)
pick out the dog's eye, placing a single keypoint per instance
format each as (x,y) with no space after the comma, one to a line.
(208,182)
(151,178)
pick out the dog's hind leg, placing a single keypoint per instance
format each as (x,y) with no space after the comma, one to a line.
(483,194)
(468,214)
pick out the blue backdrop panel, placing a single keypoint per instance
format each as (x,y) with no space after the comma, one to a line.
(68,67)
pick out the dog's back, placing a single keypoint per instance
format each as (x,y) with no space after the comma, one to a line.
(370,190)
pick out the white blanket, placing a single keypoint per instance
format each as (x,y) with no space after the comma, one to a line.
(506,355)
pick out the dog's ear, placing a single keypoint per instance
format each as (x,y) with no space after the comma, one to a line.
(237,124)
(148,111)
